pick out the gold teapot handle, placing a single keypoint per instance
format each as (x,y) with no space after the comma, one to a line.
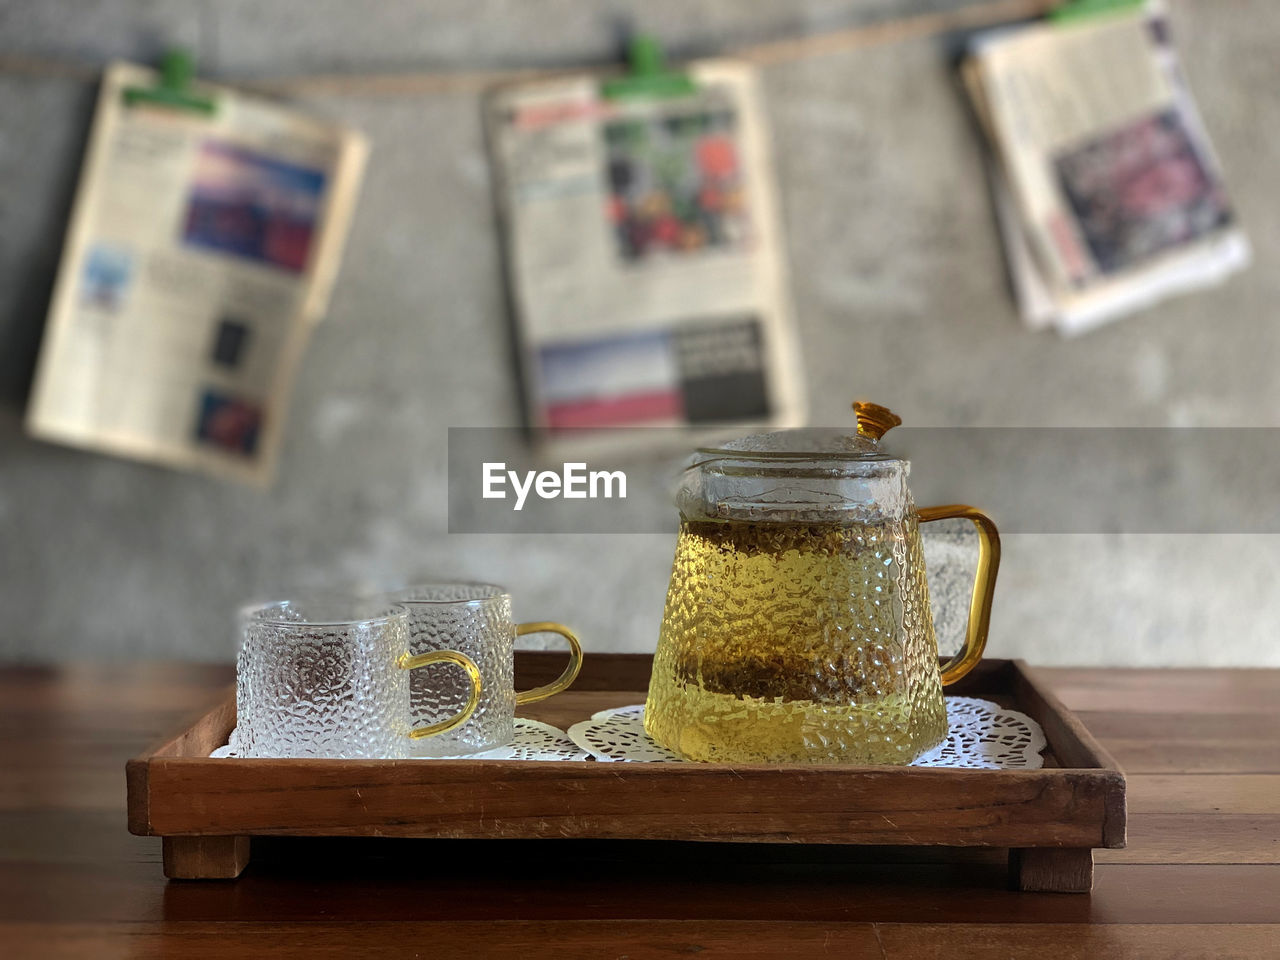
(984,585)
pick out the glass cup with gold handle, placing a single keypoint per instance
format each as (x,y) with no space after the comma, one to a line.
(475,619)
(331,678)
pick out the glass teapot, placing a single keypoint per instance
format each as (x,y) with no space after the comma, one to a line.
(797,626)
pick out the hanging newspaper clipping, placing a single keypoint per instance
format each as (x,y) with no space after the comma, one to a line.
(644,254)
(201,250)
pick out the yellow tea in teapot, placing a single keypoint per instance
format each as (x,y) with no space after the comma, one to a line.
(793,642)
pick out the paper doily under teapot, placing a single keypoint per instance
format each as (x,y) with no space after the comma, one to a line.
(981,735)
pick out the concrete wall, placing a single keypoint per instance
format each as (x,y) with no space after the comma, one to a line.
(899,289)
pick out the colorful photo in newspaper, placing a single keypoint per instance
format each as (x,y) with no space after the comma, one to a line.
(675,182)
(229,423)
(253,206)
(691,373)
(108,270)
(1141,190)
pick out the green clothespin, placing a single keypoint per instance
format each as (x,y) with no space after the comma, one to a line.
(174,90)
(649,76)
(1072,11)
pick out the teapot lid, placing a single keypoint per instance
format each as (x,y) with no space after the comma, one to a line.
(874,421)
(810,476)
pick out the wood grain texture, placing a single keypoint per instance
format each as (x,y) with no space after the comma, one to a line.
(177,790)
(1052,870)
(633,940)
(1214,793)
(1167,691)
(614,671)
(1195,756)
(318,880)
(516,940)
(205,858)
(1258,729)
(1199,838)
(1057,942)
(75,883)
(1074,745)
(650,801)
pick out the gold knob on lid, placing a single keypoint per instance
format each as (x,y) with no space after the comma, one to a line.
(874,421)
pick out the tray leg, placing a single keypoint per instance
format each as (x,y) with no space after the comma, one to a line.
(205,858)
(1051,869)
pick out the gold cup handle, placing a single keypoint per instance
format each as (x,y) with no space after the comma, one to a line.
(407,662)
(984,585)
(570,672)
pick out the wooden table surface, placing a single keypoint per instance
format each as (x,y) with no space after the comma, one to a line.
(1200,877)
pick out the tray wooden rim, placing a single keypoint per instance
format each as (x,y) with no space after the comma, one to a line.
(176,790)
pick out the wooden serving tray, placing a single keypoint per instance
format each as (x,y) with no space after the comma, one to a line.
(1050,819)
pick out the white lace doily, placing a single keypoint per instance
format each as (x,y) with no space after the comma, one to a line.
(982,735)
(533,740)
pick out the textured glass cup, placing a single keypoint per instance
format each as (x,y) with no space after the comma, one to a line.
(330,678)
(474,619)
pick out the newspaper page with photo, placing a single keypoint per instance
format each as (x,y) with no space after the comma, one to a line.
(644,254)
(1107,189)
(201,250)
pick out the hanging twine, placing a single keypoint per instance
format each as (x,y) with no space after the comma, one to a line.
(420,83)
